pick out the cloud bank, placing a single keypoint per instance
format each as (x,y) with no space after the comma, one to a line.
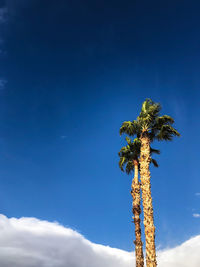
(29,242)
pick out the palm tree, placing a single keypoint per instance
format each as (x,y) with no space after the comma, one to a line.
(148,127)
(129,158)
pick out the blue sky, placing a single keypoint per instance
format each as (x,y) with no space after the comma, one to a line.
(73,72)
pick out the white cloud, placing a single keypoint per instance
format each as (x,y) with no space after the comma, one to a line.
(196,215)
(29,242)
(197,194)
(184,255)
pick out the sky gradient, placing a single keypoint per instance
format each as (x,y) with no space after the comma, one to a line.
(71,73)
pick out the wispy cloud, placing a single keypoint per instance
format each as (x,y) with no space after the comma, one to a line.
(2,84)
(30,242)
(197,194)
(196,215)
(3,12)
(3,19)
(63,136)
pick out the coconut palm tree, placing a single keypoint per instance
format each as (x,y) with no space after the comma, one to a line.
(129,158)
(148,127)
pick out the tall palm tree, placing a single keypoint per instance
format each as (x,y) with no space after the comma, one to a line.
(148,127)
(129,158)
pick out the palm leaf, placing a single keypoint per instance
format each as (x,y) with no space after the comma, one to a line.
(150,110)
(122,162)
(129,167)
(166,133)
(154,151)
(162,120)
(154,162)
(130,128)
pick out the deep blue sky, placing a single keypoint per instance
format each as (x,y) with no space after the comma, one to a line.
(74,71)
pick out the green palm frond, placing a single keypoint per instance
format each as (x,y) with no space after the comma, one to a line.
(162,120)
(129,167)
(130,128)
(137,141)
(122,162)
(167,132)
(150,110)
(128,140)
(127,128)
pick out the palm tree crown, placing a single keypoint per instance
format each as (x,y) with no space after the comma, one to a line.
(131,152)
(149,121)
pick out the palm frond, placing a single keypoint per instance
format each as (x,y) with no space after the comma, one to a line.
(137,141)
(122,151)
(129,167)
(127,128)
(122,162)
(128,140)
(155,163)
(165,119)
(130,128)
(150,110)
(166,133)
(154,151)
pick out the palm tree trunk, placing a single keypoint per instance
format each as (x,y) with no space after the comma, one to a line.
(147,201)
(135,192)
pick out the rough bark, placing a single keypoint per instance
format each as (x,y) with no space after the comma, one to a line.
(135,192)
(147,201)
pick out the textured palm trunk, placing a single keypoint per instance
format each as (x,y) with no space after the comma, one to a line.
(147,201)
(135,192)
